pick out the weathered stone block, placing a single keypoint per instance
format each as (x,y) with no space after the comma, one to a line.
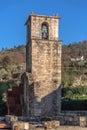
(83,121)
(10,118)
(20,125)
(52,124)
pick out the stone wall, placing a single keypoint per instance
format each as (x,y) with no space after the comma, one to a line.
(78,113)
(63,120)
(46,70)
(27,97)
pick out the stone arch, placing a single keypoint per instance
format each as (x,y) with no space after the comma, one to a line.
(44,30)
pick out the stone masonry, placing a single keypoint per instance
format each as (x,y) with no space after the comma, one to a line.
(42,80)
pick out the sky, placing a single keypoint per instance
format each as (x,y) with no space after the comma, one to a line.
(14,13)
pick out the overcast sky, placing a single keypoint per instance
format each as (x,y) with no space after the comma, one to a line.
(13,14)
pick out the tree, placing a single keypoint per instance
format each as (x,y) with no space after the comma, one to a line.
(6,61)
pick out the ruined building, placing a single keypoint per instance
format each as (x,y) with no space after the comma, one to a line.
(41,83)
(42,80)
(40,87)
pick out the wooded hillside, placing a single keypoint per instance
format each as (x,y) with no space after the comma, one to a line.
(74,73)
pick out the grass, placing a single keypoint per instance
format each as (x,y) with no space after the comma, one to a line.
(74,98)
(82,97)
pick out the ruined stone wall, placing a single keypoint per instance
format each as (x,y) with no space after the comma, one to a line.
(28,58)
(43,61)
(28,94)
(46,70)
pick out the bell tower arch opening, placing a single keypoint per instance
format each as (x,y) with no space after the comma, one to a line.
(44,30)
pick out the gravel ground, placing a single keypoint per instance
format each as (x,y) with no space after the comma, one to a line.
(64,128)
(59,128)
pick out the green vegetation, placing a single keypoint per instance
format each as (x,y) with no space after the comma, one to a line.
(74,105)
(11,66)
(74,98)
(73,71)
(74,92)
(74,74)
(4,87)
(74,77)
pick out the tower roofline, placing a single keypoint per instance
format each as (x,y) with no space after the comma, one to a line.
(36,15)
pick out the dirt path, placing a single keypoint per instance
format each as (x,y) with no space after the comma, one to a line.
(64,128)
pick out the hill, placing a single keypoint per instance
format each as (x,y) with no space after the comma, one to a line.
(74,72)
(12,62)
(74,50)
(16,55)
(74,64)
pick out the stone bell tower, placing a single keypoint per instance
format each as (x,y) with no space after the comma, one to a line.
(43,62)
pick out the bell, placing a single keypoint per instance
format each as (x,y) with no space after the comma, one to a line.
(44,35)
